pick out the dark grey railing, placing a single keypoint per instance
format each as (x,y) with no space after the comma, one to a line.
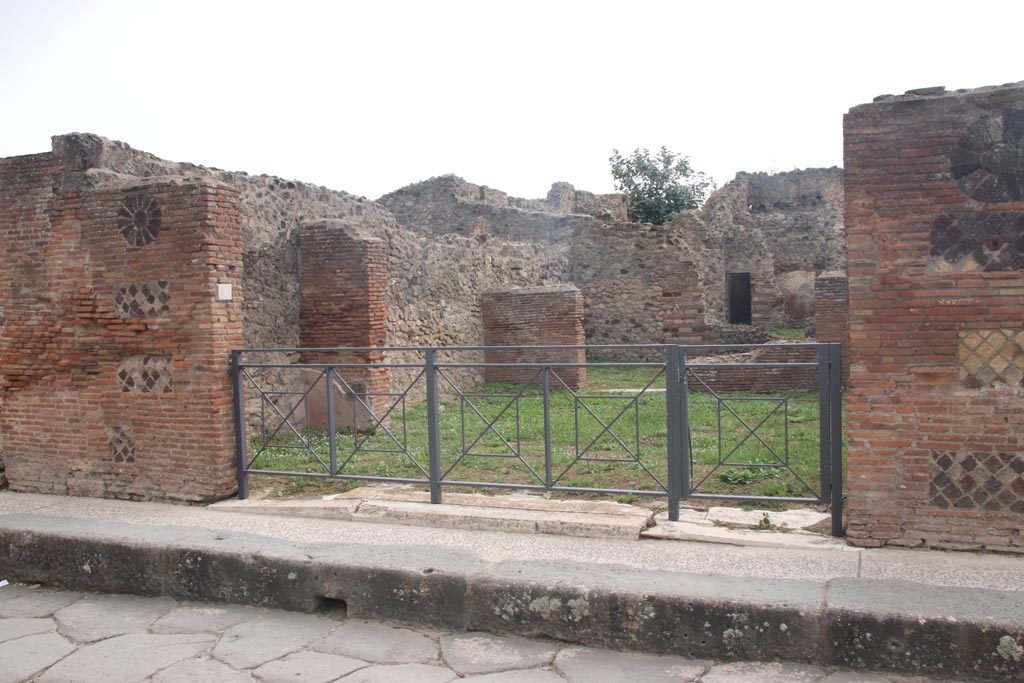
(748,413)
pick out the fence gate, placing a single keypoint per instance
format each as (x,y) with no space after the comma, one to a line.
(749,423)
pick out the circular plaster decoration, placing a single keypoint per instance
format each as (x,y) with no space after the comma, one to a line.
(138,219)
(988,162)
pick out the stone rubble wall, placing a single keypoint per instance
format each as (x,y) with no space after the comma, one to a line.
(434,282)
(641,284)
(784,229)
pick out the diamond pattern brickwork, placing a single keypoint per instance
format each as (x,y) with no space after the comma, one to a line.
(122,443)
(977,481)
(145,375)
(142,300)
(988,161)
(979,241)
(989,357)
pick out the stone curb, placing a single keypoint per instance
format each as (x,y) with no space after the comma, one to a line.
(862,623)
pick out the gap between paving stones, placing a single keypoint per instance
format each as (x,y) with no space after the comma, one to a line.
(868,624)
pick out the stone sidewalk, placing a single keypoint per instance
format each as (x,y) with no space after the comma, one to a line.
(49,636)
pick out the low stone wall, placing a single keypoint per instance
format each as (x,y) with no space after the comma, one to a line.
(536,316)
(726,374)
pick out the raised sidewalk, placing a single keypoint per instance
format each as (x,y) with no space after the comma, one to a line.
(939,614)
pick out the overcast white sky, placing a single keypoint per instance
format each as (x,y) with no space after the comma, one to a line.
(372,95)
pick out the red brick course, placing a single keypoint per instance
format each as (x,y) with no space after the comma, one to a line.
(344,279)
(134,400)
(534,316)
(832,314)
(917,433)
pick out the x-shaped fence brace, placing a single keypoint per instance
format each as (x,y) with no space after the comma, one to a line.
(783,460)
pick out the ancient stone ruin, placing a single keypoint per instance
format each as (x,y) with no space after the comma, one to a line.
(128,279)
(103,296)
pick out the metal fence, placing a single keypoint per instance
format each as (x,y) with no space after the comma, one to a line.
(759,423)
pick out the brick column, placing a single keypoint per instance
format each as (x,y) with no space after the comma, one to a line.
(935,217)
(534,316)
(115,347)
(832,314)
(344,276)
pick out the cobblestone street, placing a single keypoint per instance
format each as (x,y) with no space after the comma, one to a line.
(49,636)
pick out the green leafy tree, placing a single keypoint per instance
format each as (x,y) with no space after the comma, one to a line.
(658,186)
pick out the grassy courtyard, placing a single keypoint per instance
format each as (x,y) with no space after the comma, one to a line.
(610,437)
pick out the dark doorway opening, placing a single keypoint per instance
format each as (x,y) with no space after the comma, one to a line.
(738,286)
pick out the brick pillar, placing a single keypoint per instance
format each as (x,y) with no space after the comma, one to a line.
(935,218)
(832,314)
(534,316)
(115,346)
(344,275)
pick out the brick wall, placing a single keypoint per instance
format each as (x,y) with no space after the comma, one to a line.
(114,350)
(534,316)
(935,217)
(725,374)
(344,278)
(832,314)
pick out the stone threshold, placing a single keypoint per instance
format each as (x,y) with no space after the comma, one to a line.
(534,514)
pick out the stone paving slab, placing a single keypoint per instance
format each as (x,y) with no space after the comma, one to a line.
(192,617)
(592,665)
(22,601)
(480,653)
(98,617)
(402,673)
(307,667)
(11,629)
(268,637)
(378,643)
(130,658)
(202,671)
(24,657)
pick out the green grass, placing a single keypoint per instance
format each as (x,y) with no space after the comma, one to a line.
(631,455)
(788,332)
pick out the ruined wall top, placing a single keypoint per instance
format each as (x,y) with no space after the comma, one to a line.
(449,203)
(933,92)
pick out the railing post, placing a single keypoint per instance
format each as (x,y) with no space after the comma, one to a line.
(547,426)
(824,424)
(836,441)
(674,431)
(238,403)
(433,425)
(684,424)
(332,429)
